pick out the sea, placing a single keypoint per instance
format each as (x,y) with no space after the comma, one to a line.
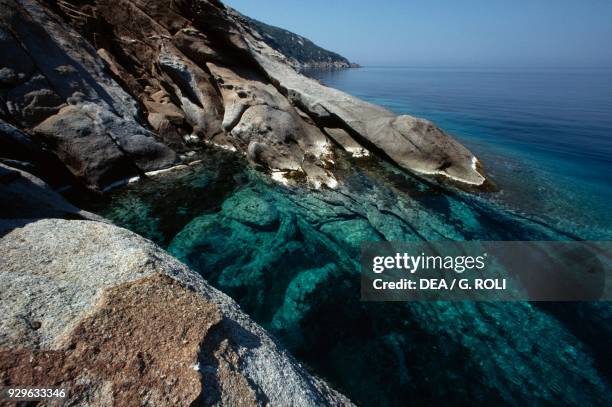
(290,256)
(543,134)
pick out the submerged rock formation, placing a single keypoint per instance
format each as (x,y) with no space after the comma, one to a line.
(290,257)
(117,321)
(111,90)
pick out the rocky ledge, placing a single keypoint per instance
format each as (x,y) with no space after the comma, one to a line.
(105,91)
(112,317)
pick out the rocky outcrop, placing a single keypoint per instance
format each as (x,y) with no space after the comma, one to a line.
(116,89)
(57,90)
(99,91)
(414,144)
(113,318)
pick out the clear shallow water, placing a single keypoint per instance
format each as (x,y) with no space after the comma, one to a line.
(290,258)
(544,135)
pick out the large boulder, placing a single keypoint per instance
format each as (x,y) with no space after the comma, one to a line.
(419,145)
(414,144)
(111,316)
(116,320)
(85,147)
(102,148)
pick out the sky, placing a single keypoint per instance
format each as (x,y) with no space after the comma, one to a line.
(521,33)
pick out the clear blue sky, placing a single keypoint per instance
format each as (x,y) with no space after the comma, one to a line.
(449,32)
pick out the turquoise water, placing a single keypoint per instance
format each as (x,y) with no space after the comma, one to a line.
(545,135)
(290,257)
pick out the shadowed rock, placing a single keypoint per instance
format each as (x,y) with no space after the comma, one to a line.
(23,196)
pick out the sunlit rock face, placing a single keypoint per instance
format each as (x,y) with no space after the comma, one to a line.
(289,256)
(116,89)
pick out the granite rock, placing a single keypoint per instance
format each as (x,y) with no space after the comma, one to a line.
(193,73)
(110,315)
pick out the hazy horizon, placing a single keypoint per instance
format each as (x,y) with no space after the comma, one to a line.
(446,33)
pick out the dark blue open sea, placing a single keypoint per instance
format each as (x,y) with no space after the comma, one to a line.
(545,135)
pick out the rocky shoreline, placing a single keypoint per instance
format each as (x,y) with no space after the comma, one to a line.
(328,65)
(103,102)
(97,93)
(301,53)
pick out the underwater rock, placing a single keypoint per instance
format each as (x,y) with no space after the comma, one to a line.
(251,209)
(301,281)
(350,233)
(303,294)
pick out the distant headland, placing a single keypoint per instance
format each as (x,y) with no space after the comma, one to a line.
(303,53)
